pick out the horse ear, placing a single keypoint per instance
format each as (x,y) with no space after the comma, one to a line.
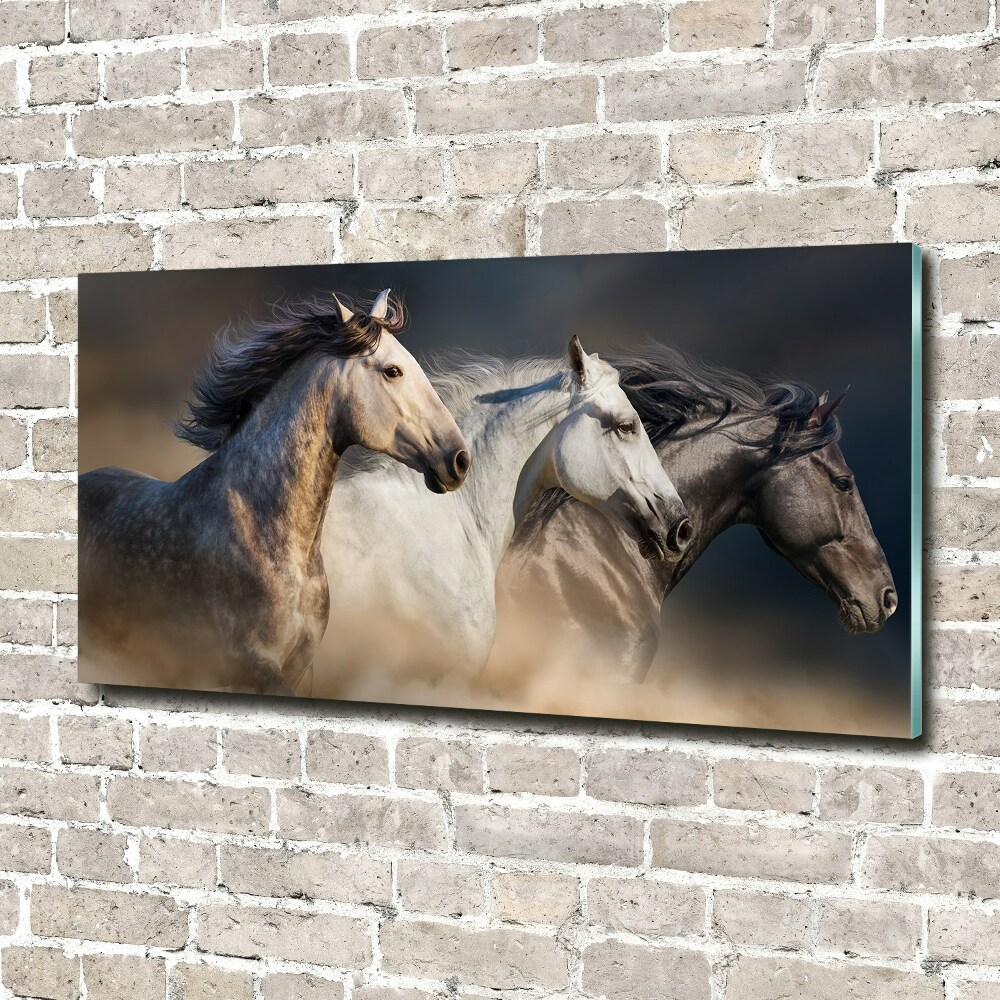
(345,314)
(381,305)
(580,361)
(824,409)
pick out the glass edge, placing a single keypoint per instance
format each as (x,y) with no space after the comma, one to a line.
(917,504)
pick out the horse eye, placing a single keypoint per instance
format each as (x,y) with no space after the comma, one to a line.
(626,427)
(845,484)
(392,372)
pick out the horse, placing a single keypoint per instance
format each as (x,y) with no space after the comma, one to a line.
(425,572)
(217,579)
(571,585)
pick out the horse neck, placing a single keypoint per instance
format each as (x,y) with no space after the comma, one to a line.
(503,437)
(282,463)
(714,473)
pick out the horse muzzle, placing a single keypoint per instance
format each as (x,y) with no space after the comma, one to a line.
(449,472)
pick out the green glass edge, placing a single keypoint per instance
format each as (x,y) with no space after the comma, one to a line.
(917,506)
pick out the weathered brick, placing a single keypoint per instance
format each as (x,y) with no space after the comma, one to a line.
(985,990)
(23,319)
(718,24)
(765,978)
(752,851)
(716,157)
(921,18)
(971,286)
(964,367)
(206,982)
(182,805)
(447,890)
(62,79)
(239,242)
(871,795)
(91,19)
(25,849)
(168,129)
(13,443)
(37,563)
(67,623)
(413,50)
(364,819)
(168,861)
(964,593)
(8,196)
(265,12)
(933,142)
(59,193)
(49,795)
(621,970)
(450,765)
(123,977)
(548,835)
(26,621)
(626,225)
(33,21)
(358,114)
(539,770)
(808,22)
(300,986)
(140,187)
(32,138)
(966,726)
(264,753)
(63,316)
(27,676)
(318,177)
(401,174)
(764,218)
(967,800)
(823,152)
(869,928)
(964,518)
(644,906)
(506,104)
(43,973)
(33,381)
(932,864)
(963,934)
(93,854)
(233,66)
(971,440)
(55,251)
(10,908)
(595,34)
(142,74)
(954,213)
(96,739)
(346,878)
(466,230)
(508,41)
(906,76)
(709,90)
(346,758)
(178,748)
(308,59)
(603,161)
(535,897)
(959,658)
(294,935)
(762,919)
(9,97)
(662,778)
(99,915)
(516,959)
(785,786)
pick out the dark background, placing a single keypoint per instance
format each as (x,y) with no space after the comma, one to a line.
(827,316)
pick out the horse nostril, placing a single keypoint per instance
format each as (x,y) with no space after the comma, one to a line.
(679,537)
(461,463)
(889,600)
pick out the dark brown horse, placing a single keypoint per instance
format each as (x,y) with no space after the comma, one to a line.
(738,453)
(216,580)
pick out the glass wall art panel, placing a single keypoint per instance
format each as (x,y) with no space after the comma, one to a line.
(673,487)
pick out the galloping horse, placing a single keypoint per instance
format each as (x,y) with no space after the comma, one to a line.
(429,569)
(217,579)
(739,453)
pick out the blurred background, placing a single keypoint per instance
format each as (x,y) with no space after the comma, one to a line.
(747,641)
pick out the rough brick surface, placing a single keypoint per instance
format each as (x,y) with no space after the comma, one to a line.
(199,848)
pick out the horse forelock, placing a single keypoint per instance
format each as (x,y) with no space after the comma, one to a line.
(243,366)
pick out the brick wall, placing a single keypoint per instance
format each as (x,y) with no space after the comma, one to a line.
(157,845)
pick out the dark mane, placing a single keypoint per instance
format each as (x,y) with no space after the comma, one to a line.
(243,367)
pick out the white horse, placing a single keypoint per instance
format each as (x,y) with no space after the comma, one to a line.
(413,581)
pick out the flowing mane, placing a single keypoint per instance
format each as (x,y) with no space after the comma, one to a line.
(243,367)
